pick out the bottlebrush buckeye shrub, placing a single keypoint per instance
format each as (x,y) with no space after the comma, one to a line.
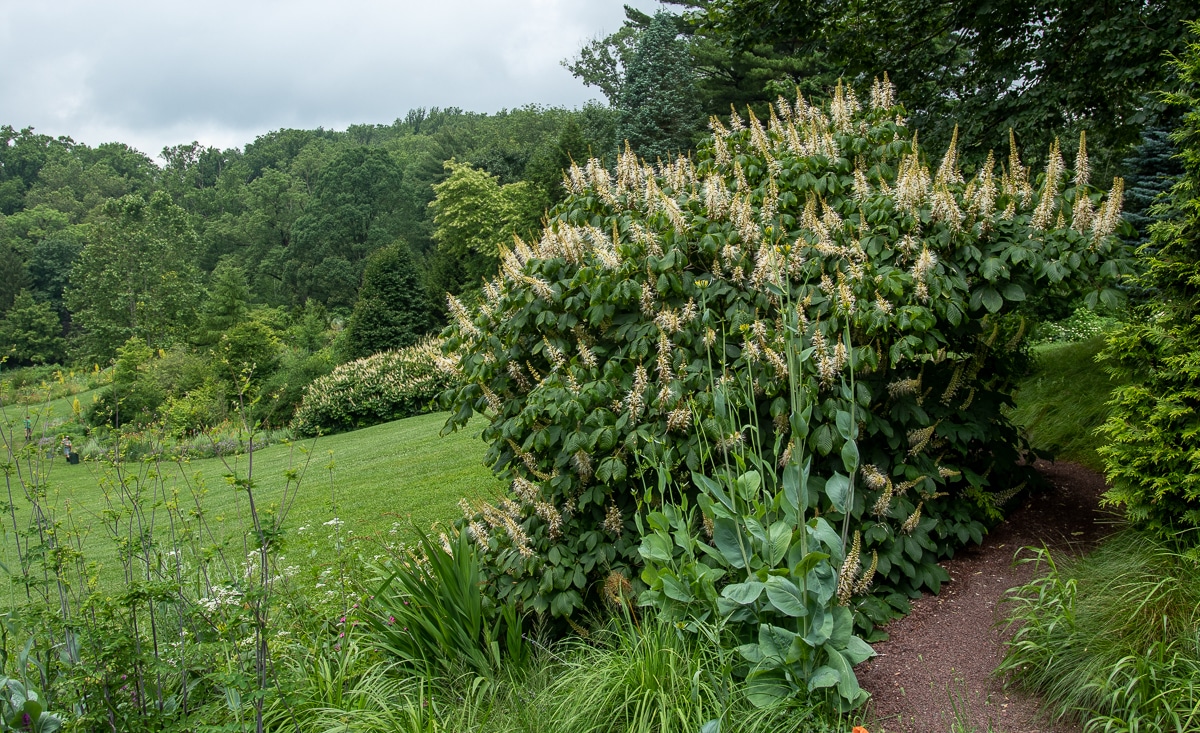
(372,390)
(602,349)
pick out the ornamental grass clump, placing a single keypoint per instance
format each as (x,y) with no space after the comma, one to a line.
(387,386)
(601,349)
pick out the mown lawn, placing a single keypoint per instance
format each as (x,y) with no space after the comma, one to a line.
(1062,402)
(389,476)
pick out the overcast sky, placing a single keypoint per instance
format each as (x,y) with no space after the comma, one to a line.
(162,72)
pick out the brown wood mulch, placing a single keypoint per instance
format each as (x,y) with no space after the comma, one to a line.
(941,658)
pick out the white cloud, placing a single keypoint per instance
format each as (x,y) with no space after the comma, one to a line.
(160,72)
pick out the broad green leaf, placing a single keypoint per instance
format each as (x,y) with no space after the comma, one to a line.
(779,536)
(991,299)
(820,626)
(775,641)
(799,566)
(845,424)
(675,589)
(838,490)
(751,653)
(766,687)
(848,686)
(748,484)
(843,626)
(726,536)
(655,548)
(743,593)
(785,596)
(1013,292)
(850,456)
(825,676)
(857,651)
(713,487)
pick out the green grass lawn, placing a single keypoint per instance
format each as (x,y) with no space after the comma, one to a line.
(1062,403)
(45,414)
(371,479)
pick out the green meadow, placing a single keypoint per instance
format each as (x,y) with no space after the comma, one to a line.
(378,482)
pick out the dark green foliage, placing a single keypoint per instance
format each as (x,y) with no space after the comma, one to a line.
(1153,458)
(135,278)
(22,156)
(50,262)
(392,307)
(14,278)
(353,198)
(1040,67)
(134,395)
(30,333)
(1150,171)
(610,345)
(227,305)
(657,109)
(1111,638)
(283,390)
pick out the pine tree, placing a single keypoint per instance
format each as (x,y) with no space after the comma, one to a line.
(658,110)
(392,309)
(1151,170)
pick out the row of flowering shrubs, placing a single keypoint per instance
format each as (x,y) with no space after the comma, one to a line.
(376,389)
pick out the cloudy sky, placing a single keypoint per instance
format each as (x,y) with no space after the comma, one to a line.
(163,72)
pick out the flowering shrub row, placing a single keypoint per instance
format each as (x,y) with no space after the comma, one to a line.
(376,389)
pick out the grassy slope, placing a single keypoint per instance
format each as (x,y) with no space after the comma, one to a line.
(378,476)
(1062,403)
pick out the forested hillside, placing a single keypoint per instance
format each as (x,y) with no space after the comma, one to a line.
(117,244)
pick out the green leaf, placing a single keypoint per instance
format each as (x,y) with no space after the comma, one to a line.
(843,626)
(850,456)
(823,440)
(726,536)
(655,548)
(857,651)
(825,676)
(712,487)
(766,687)
(676,590)
(775,641)
(838,490)
(748,483)
(785,596)
(779,536)
(1013,292)
(845,424)
(743,593)
(991,299)
(801,567)
(751,653)
(848,686)
(820,626)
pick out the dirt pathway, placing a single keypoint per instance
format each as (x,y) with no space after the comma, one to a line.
(940,658)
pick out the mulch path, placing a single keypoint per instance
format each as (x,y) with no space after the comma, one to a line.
(940,658)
